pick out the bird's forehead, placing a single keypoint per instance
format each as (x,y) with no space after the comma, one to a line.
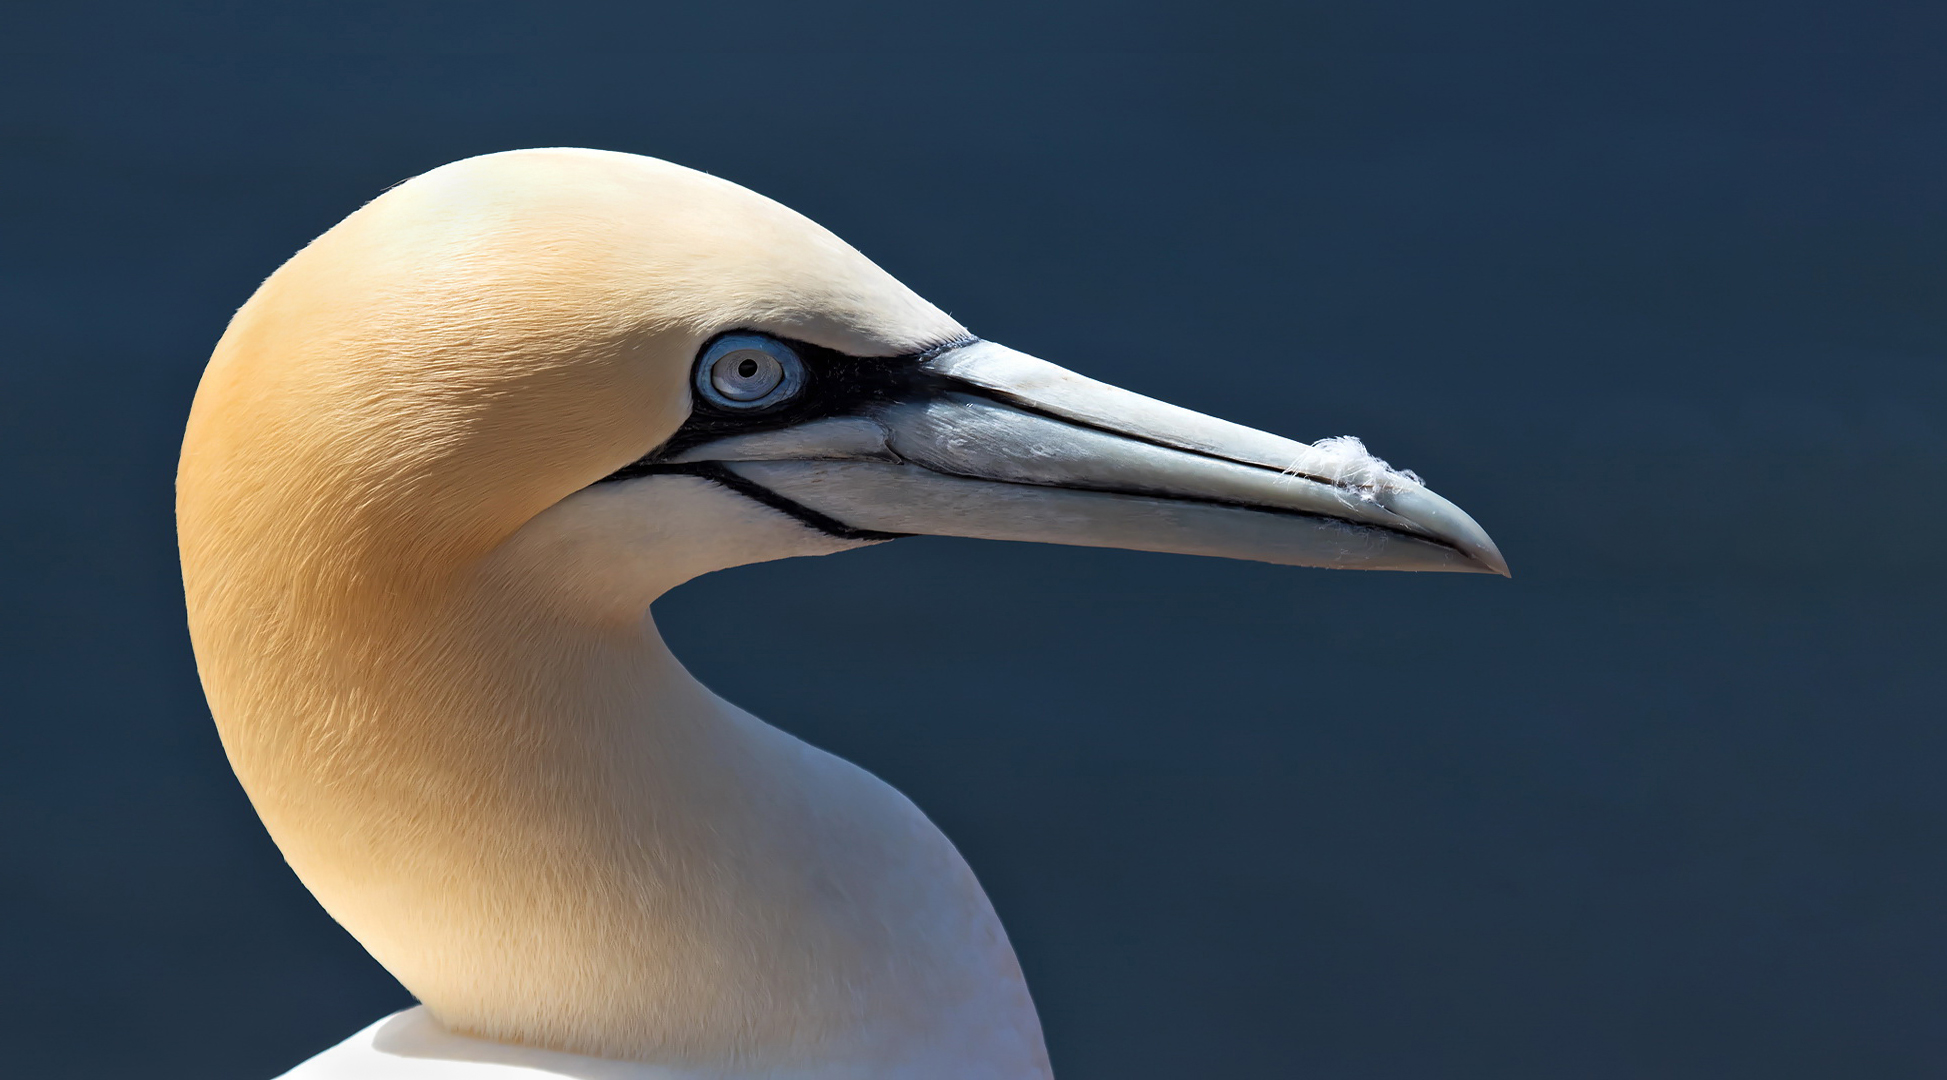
(613,236)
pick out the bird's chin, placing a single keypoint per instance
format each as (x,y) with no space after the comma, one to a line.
(880,500)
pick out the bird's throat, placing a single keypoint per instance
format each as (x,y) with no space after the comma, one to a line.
(554,836)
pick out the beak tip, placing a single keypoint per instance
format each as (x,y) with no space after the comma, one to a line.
(1492,560)
(1449,525)
(1485,553)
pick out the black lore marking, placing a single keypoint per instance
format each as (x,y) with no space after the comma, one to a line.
(836,384)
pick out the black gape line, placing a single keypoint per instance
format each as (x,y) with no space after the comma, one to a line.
(720,473)
(836,384)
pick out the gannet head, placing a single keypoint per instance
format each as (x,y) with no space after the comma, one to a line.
(574,342)
(445,457)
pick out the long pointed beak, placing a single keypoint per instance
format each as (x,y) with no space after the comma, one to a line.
(996,444)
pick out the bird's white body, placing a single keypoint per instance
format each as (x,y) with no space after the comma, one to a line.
(411,1045)
(437,470)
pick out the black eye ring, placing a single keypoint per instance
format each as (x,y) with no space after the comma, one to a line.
(748,372)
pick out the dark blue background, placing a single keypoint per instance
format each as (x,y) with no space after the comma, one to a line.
(1658,291)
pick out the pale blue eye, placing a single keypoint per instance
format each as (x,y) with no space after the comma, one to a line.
(748,371)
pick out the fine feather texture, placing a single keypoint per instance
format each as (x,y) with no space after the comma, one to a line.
(424,636)
(1350,463)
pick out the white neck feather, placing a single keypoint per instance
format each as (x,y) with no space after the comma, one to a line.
(555,837)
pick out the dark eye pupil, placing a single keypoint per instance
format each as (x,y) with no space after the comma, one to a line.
(747,368)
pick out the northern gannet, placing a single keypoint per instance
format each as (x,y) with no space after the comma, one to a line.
(438,467)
